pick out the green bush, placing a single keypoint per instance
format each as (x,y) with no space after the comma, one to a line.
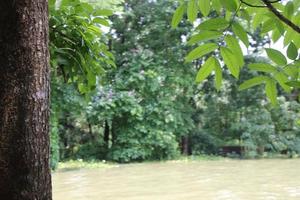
(91,151)
(155,145)
(163,146)
(129,154)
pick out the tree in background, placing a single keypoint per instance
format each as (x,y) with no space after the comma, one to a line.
(243,118)
(79,58)
(147,100)
(147,107)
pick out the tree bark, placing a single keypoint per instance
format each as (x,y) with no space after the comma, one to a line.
(24,100)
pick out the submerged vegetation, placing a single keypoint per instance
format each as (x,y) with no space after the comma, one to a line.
(80,164)
(103,164)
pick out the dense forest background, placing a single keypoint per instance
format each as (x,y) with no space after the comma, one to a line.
(143,103)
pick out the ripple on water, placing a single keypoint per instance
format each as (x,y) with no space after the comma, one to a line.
(205,180)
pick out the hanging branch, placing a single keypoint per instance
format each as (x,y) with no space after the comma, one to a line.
(251,5)
(280,16)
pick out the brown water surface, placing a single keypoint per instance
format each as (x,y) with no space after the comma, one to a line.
(207,180)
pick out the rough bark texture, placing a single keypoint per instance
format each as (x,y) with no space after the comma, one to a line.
(24,100)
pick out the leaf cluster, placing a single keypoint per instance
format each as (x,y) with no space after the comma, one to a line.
(77,43)
(222,32)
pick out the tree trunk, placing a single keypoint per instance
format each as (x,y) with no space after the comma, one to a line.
(92,136)
(106,134)
(261,150)
(185,149)
(24,100)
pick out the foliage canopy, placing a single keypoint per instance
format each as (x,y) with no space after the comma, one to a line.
(224,30)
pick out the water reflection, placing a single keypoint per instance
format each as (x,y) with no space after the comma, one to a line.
(207,180)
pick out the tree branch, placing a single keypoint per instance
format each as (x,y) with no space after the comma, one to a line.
(275,1)
(280,16)
(251,5)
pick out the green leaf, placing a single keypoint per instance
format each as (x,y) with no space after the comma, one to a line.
(66,3)
(214,24)
(218,75)
(230,5)
(289,9)
(253,82)
(192,10)
(52,3)
(258,18)
(292,71)
(178,15)
(82,88)
(241,33)
(288,37)
(86,7)
(282,79)
(276,56)
(95,29)
(101,21)
(205,70)
(262,67)
(268,26)
(292,51)
(204,6)
(204,36)
(228,15)
(201,51)
(279,26)
(234,46)
(276,35)
(217,6)
(271,91)
(230,61)
(245,15)
(103,12)
(294,84)
(91,79)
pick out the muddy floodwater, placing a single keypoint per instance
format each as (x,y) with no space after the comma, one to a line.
(202,180)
